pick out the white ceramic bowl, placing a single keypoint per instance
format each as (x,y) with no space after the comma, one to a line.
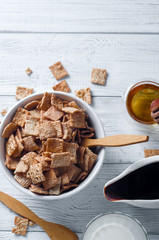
(139,203)
(95,123)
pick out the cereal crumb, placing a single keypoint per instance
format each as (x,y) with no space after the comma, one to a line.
(4,112)
(28,71)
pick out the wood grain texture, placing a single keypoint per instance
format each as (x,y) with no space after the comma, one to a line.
(79,16)
(127,58)
(115,141)
(43,236)
(120,36)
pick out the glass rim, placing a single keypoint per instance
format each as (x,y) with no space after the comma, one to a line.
(126,94)
(134,84)
(118,213)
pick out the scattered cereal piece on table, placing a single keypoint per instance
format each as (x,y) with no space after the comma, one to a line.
(28,71)
(62,86)
(99,76)
(23,92)
(58,70)
(21,225)
(4,112)
(84,94)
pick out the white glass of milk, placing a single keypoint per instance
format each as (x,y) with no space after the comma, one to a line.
(115,226)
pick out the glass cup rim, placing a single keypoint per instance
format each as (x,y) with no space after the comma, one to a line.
(125,97)
(118,213)
(134,84)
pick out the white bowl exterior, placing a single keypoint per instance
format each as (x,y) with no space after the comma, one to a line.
(95,122)
(131,168)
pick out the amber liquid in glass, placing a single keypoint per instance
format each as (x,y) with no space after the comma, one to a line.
(139,100)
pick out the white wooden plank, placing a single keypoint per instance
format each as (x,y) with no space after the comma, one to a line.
(79,16)
(127,58)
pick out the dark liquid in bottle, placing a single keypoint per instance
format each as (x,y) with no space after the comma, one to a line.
(142,183)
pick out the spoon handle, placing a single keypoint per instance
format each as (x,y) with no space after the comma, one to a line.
(115,141)
(19,208)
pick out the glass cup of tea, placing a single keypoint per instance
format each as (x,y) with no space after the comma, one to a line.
(137,101)
(115,226)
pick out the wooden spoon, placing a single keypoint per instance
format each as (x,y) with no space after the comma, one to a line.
(53,230)
(115,141)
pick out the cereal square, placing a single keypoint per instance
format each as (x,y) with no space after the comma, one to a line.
(65,179)
(58,70)
(56,102)
(22,167)
(47,130)
(35,173)
(54,145)
(51,179)
(45,103)
(20,117)
(22,180)
(11,162)
(37,189)
(77,120)
(76,173)
(56,189)
(62,86)
(53,113)
(18,135)
(32,126)
(29,158)
(29,144)
(72,148)
(31,105)
(67,131)
(9,130)
(23,92)
(21,225)
(58,127)
(99,76)
(60,159)
(19,149)
(11,146)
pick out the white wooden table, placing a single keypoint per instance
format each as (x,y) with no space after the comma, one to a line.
(119,35)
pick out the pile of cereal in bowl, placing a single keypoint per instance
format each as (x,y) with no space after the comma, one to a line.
(43,145)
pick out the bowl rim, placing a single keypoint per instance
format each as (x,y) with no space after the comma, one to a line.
(92,174)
